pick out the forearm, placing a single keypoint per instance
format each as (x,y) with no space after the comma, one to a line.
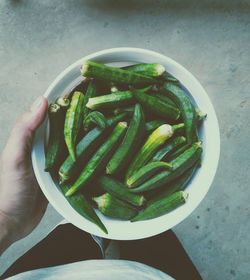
(6,233)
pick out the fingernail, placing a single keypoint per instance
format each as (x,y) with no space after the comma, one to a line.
(38,102)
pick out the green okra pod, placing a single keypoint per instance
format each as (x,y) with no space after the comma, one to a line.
(169,147)
(99,160)
(157,106)
(114,208)
(146,172)
(174,154)
(114,100)
(162,206)
(178,95)
(96,118)
(118,190)
(73,122)
(84,149)
(91,92)
(153,143)
(164,98)
(179,165)
(179,184)
(130,143)
(115,75)
(56,146)
(83,207)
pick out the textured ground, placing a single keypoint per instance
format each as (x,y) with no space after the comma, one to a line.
(38,39)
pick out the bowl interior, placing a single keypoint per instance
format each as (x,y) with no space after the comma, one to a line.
(197,188)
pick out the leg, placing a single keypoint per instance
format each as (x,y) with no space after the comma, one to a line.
(164,252)
(65,244)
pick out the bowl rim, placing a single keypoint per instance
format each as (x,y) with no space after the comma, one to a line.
(150,227)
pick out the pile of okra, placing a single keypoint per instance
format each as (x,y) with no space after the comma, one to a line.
(124,142)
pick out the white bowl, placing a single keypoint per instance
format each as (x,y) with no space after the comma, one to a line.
(198,187)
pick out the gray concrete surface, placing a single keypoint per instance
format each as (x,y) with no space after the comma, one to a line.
(38,39)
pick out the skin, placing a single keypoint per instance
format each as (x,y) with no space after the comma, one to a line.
(22,204)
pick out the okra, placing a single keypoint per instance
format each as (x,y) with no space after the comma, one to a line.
(171,156)
(162,206)
(155,140)
(115,75)
(152,125)
(179,184)
(83,207)
(114,88)
(164,99)
(148,69)
(188,112)
(63,102)
(157,106)
(91,92)
(130,143)
(99,160)
(120,191)
(114,208)
(146,172)
(114,100)
(200,115)
(96,118)
(179,165)
(169,147)
(84,149)
(73,122)
(56,145)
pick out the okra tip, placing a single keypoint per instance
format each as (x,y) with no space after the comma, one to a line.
(62,177)
(199,144)
(160,69)
(165,129)
(78,93)
(63,101)
(91,103)
(84,68)
(184,195)
(100,201)
(53,108)
(108,171)
(123,124)
(70,192)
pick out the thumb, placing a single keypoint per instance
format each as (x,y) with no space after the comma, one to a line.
(32,119)
(18,147)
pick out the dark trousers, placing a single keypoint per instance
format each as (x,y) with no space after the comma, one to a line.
(68,244)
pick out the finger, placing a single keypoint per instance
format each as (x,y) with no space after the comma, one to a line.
(18,147)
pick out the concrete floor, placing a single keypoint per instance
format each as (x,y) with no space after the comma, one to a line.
(38,39)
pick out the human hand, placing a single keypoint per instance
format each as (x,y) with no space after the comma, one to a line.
(22,203)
